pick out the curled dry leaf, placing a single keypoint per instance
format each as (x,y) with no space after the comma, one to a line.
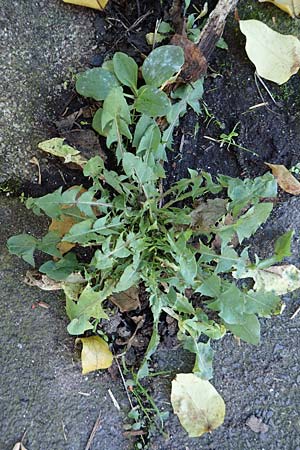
(206,214)
(276,56)
(127,300)
(198,405)
(285,179)
(34,278)
(95,4)
(95,354)
(195,64)
(257,425)
(292,7)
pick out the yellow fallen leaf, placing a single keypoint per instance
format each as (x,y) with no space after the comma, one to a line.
(96,4)
(58,147)
(198,405)
(285,179)
(95,354)
(292,7)
(277,279)
(276,56)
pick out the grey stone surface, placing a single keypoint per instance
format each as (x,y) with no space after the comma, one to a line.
(42,44)
(42,390)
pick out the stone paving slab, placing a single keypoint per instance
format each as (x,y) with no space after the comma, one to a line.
(42,390)
(42,44)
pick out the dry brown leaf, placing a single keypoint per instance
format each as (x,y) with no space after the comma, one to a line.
(206,214)
(34,278)
(95,4)
(61,227)
(126,300)
(285,179)
(195,64)
(257,425)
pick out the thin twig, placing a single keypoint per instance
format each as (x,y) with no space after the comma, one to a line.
(124,383)
(135,24)
(64,431)
(93,432)
(266,88)
(114,400)
(214,27)
(295,313)
(181,143)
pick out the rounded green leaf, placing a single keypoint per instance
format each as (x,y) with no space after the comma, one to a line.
(96,83)
(161,64)
(198,405)
(152,102)
(126,70)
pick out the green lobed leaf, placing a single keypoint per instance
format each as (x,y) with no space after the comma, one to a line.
(211,287)
(135,165)
(79,325)
(230,304)
(130,277)
(262,303)
(61,269)
(283,245)
(88,305)
(23,245)
(152,346)
(113,119)
(188,267)
(248,331)
(204,357)
(94,167)
(48,244)
(245,192)
(190,94)
(282,250)
(49,203)
(246,225)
